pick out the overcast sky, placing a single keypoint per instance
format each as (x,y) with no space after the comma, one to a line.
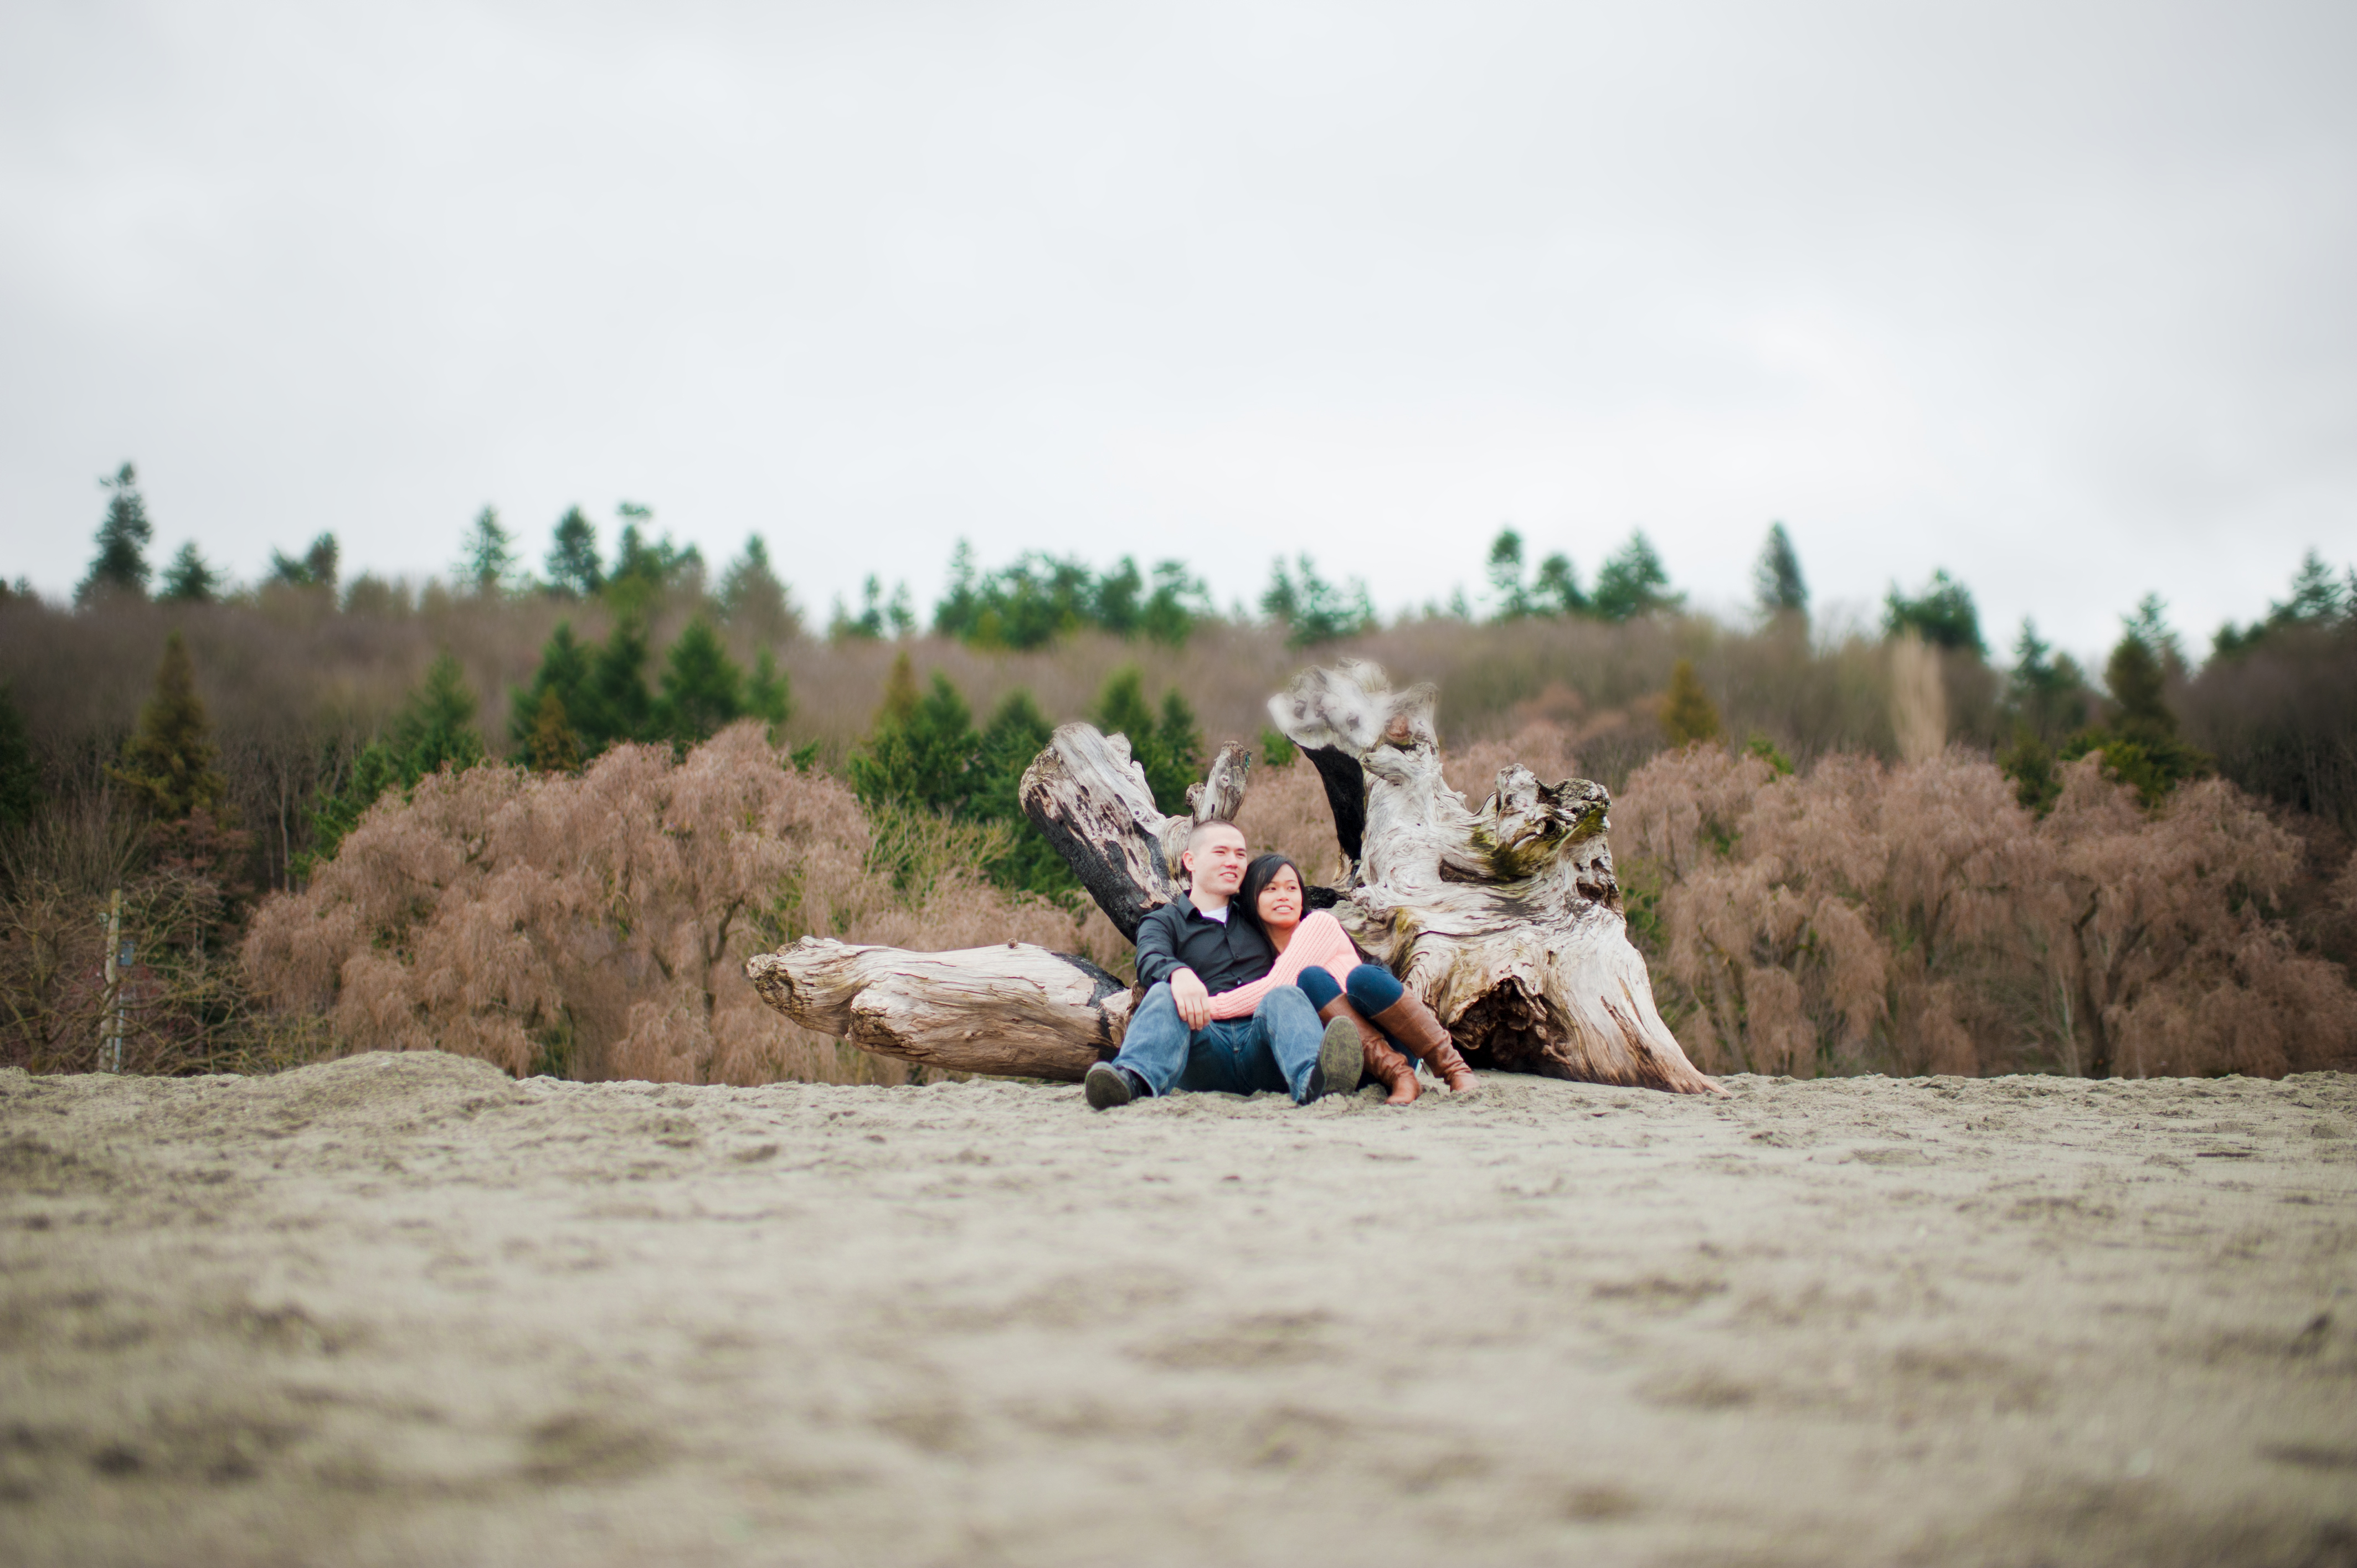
(2056,295)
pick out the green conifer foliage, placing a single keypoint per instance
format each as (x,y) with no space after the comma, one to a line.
(703,689)
(1122,709)
(1633,583)
(487,559)
(753,599)
(564,670)
(191,579)
(121,564)
(20,777)
(1776,580)
(1177,757)
(167,764)
(768,695)
(1942,615)
(618,708)
(317,568)
(574,567)
(553,747)
(434,729)
(1689,714)
(2134,674)
(922,752)
(1015,737)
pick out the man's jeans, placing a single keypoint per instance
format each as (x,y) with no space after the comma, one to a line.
(1274,1049)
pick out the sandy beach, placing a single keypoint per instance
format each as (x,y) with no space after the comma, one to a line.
(402,1309)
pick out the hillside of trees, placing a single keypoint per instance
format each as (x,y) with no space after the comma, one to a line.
(215,751)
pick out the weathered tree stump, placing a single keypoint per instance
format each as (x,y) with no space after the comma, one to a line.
(1505,919)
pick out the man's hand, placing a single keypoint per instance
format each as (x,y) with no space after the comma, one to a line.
(1194,1002)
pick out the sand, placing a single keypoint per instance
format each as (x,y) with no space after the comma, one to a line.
(403,1310)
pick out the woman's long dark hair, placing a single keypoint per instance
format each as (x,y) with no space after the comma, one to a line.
(1257,876)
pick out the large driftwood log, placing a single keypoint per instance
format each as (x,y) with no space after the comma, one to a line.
(1014,1009)
(1506,919)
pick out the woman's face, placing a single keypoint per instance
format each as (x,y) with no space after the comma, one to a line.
(1280,901)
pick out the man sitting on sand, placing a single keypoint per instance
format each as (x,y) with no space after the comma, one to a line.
(1188,951)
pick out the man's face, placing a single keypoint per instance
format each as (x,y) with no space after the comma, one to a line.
(1217,863)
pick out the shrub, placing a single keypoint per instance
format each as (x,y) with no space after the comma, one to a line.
(598,925)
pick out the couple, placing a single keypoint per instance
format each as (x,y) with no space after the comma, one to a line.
(1239,985)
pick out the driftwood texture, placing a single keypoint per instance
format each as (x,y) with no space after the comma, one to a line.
(1014,1010)
(1506,919)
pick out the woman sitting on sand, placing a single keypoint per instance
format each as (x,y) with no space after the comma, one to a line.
(1316,954)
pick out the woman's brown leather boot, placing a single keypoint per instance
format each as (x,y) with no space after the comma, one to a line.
(1410,1022)
(1383,1065)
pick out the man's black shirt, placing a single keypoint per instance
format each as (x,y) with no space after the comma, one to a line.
(1178,936)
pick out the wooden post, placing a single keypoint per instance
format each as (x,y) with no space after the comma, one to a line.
(110,1028)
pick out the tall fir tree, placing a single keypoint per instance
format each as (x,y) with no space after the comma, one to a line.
(1689,714)
(487,558)
(434,729)
(1942,615)
(551,746)
(20,776)
(1777,584)
(189,579)
(619,708)
(563,670)
(703,689)
(768,695)
(167,764)
(752,597)
(1633,583)
(922,750)
(121,564)
(575,569)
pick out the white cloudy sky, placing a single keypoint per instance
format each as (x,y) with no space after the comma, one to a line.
(2056,296)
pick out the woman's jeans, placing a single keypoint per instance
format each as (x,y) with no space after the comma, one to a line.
(1371,989)
(1274,1049)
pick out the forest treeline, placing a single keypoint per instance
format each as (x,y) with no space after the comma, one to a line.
(205,746)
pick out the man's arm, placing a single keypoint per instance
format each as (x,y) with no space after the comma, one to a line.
(1158,960)
(1157,948)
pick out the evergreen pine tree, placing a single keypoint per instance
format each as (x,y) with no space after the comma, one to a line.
(619,708)
(487,558)
(1776,580)
(1512,600)
(20,777)
(2135,676)
(553,747)
(1557,590)
(702,690)
(1122,709)
(769,695)
(1688,716)
(1633,583)
(564,670)
(1014,737)
(317,568)
(121,564)
(573,568)
(752,597)
(191,579)
(1942,615)
(167,764)
(922,751)
(436,728)
(1177,760)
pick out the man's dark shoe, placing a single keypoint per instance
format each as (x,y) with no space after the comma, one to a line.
(1341,1059)
(1107,1086)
